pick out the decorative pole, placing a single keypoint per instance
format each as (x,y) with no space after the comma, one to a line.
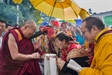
(52,10)
(17,7)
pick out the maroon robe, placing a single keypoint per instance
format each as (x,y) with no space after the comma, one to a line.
(8,66)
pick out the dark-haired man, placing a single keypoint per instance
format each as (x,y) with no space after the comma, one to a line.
(94,31)
(8,27)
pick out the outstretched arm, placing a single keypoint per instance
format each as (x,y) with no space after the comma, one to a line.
(13,48)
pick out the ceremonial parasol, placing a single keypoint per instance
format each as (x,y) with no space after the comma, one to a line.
(62,9)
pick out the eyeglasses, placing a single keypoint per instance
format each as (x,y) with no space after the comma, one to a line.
(33,30)
(83,32)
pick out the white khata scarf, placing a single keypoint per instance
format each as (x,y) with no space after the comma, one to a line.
(50,67)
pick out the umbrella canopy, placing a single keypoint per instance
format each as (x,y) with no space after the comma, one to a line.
(63,9)
(17,1)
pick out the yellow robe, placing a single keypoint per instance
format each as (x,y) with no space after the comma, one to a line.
(102,61)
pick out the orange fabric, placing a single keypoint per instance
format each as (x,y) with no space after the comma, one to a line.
(19,35)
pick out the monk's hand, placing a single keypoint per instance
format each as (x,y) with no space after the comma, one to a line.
(35,55)
(36,45)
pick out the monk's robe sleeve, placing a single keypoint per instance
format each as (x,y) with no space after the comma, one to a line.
(102,62)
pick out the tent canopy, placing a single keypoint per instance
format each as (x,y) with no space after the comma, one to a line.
(108,20)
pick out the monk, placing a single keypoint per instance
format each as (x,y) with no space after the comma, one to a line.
(94,31)
(18,56)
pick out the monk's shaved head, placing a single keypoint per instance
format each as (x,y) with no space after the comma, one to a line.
(30,23)
(29,28)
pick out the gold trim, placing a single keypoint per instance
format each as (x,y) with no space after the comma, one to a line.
(19,35)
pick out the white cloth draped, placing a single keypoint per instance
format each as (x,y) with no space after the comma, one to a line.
(50,67)
(1,41)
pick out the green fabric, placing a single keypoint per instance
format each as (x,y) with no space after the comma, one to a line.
(108,20)
(62,20)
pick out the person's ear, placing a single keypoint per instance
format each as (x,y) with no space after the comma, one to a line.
(26,27)
(94,29)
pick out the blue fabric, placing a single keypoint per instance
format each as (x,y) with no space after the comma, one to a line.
(78,22)
(80,39)
(44,24)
